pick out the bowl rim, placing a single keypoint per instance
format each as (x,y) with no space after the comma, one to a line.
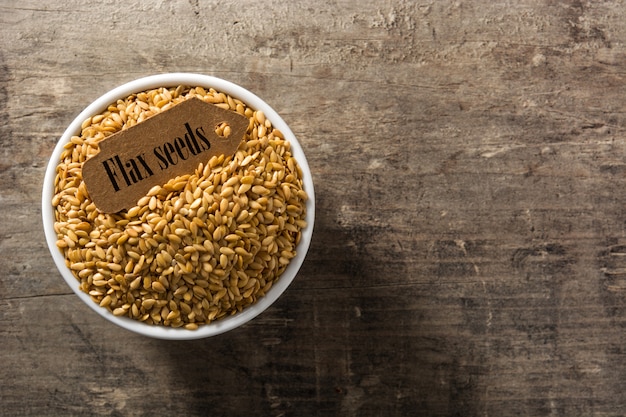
(171,80)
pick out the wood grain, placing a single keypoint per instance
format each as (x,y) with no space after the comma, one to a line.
(469,254)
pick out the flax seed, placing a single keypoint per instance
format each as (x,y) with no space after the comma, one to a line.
(194,249)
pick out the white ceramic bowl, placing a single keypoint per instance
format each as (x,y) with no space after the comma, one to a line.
(172,80)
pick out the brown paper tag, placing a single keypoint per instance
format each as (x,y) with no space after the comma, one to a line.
(171,143)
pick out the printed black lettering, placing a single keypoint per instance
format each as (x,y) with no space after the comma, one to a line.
(110,169)
(133,171)
(180,146)
(170,153)
(119,164)
(143,162)
(192,142)
(206,145)
(163,164)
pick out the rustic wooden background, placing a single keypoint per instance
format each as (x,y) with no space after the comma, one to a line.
(469,254)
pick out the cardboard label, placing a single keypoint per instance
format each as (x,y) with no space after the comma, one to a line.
(168,144)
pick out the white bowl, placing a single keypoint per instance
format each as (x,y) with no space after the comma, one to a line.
(171,80)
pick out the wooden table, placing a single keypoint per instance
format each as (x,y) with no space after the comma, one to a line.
(469,253)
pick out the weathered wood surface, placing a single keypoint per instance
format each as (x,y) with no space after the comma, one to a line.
(469,255)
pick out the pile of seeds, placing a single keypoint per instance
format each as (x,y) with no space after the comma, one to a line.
(198,248)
